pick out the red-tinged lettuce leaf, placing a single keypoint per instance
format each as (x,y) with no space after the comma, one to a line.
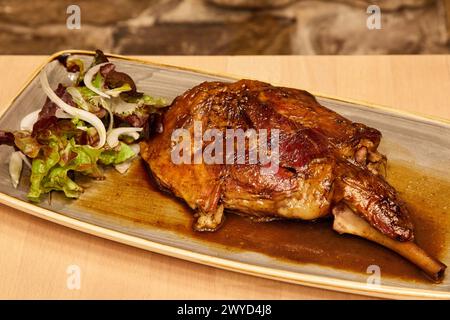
(63,60)
(49,108)
(6,138)
(47,117)
(132,96)
(155,124)
(151,123)
(43,124)
(71,65)
(26,143)
(99,58)
(132,120)
(115,79)
(59,132)
(62,130)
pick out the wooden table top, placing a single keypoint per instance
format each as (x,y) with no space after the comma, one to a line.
(35,254)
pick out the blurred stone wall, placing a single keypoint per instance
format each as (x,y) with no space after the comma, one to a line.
(226,26)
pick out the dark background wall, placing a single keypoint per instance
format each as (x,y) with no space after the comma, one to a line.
(226,27)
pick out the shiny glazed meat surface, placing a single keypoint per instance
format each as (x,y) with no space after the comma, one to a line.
(324,159)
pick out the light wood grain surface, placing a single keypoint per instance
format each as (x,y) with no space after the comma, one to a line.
(35,254)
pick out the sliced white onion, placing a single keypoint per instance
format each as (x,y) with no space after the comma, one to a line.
(77,97)
(136,148)
(25,159)
(111,119)
(88,79)
(124,166)
(62,115)
(105,104)
(113,136)
(29,120)
(74,112)
(133,135)
(15,168)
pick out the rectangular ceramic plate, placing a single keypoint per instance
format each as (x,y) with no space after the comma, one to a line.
(418,140)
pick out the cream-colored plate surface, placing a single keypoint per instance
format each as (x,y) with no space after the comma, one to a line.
(421,141)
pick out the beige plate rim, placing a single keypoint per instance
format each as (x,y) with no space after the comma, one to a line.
(265,272)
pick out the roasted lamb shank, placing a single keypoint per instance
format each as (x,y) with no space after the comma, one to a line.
(327,165)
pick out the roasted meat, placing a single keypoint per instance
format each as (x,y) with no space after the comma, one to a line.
(324,161)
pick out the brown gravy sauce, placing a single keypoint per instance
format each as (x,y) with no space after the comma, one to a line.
(133,197)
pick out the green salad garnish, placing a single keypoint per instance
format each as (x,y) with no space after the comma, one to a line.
(95,122)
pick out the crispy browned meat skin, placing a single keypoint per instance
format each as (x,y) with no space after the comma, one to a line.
(324,159)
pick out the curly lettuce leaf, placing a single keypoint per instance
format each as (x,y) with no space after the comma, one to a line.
(85,161)
(87,93)
(58,180)
(51,170)
(114,156)
(40,167)
(98,81)
(78,98)
(155,102)
(82,159)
